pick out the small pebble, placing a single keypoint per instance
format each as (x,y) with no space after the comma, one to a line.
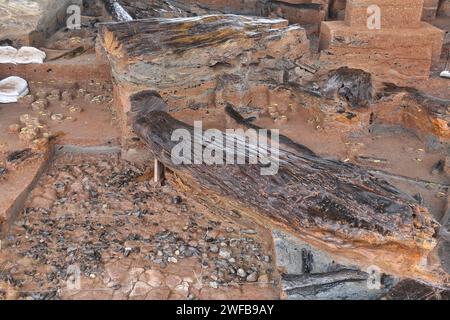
(214,248)
(57,117)
(28,99)
(241,273)
(67,96)
(74,109)
(14,128)
(55,92)
(127,252)
(224,253)
(39,105)
(172,260)
(42,94)
(252,277)
(176,200)
(53,98)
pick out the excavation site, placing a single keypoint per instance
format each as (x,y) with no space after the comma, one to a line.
(254,150)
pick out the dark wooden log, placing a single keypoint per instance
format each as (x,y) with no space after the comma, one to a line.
(316,282)
(286,141)
(352,85)
(148,38)
(337,206)
(117,11)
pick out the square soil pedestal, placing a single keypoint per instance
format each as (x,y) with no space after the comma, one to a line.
(404,53)
(394,14)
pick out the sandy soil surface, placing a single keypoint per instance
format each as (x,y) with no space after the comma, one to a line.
(78,113)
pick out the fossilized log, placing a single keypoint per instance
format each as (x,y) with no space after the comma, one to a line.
(353,85)
(337,206)
(205,62)
(289,143)
(159,52)
(147,38)
(117,11)
(315,282)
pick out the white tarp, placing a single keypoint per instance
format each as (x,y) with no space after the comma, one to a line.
(24,55)
(7,54)
(445,74)
(12,88)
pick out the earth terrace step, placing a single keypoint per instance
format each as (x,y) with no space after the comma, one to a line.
(394,13)
(80,68)
(408,52)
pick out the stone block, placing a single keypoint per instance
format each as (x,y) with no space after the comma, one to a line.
(394,13)
(406,53)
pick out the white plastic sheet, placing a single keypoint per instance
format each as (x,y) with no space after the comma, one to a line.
(24,55)
(7,54)
(445,74)
(12,88)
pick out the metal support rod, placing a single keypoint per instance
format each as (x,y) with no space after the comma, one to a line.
(159,172)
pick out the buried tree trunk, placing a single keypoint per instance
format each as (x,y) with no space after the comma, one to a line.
(117,11)
(335,206)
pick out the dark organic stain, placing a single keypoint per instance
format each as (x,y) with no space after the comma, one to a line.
(307,261)
(19,156)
